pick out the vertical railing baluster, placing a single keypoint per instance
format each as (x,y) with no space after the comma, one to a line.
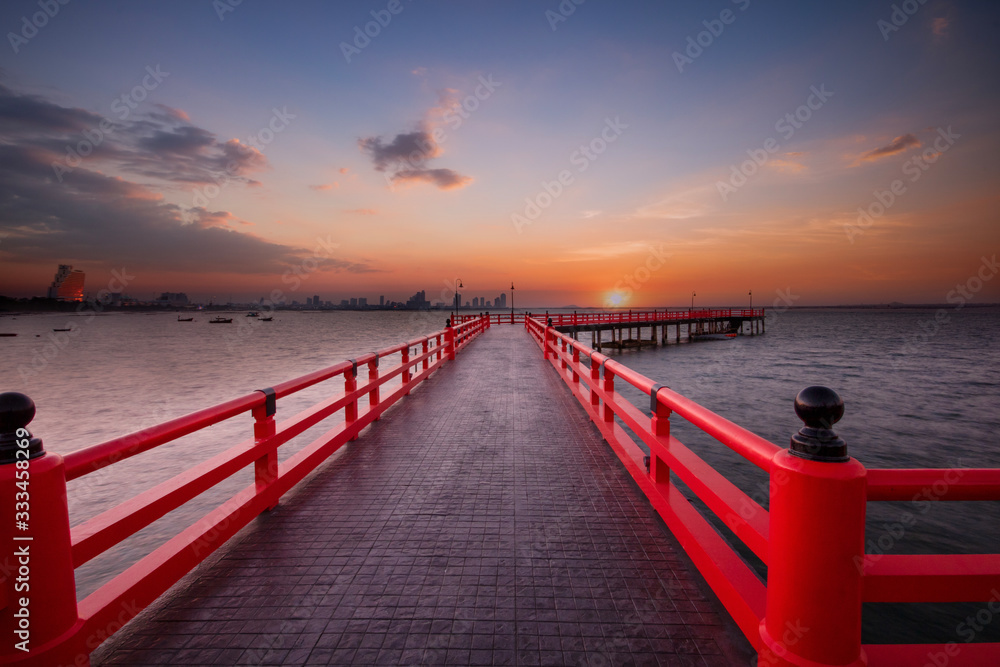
(265,466)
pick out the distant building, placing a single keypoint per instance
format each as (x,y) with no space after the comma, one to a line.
(172,299)
(67,285)
(503,300)
(354,302)
(316,302)
(418,301)
(344,303)
(362,302)
(381,301)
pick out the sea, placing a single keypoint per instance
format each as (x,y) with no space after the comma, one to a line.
(921,388)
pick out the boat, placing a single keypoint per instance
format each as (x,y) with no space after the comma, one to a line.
(221,320)
(252,313)
(714,336)
(70,329)
(185,319)
(266,319)
(6,335)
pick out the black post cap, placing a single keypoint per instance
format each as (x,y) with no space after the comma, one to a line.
(819,408)
(16,412)
(447,322)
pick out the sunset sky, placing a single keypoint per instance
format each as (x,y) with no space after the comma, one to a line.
(598,152)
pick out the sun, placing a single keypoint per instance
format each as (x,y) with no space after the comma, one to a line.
(615,299)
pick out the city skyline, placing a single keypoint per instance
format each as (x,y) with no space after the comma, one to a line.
(593,154)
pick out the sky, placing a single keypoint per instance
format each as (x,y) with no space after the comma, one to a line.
(591,152)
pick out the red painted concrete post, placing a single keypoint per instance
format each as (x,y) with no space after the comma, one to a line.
(350,384)
(37,587)
(449,340)
(562,359)
(595,379)
(265,467)
(816,541)
(424,348)
(373,396)
(406,368)
(609,387)
(437,346)
(546,337)
(660,425)
(576,364)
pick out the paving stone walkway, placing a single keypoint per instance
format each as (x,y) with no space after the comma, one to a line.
(482,521)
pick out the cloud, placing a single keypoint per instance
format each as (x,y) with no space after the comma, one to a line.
(362,211)
(939,26)
(325,187)
(590,214)
(897,145)
(95,219)
(444,179)
(405,157)
(604,252)
(344,170)
(691,203)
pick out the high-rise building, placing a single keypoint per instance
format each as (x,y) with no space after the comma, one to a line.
(67,285)
(381,301)
(363,302)
(354,302)
(503,300)
(316,301)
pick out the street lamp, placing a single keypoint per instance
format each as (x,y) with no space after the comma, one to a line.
(458,284)
(751,302)
(512,302)
(693,295)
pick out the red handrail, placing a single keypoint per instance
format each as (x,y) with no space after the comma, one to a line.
(67,629)
(875,577)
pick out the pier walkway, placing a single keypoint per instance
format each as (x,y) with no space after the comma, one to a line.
(481,521)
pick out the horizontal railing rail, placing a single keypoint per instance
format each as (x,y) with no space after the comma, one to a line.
(818,574)
(65,631)
(620,317)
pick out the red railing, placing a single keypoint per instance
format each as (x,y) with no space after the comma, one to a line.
(620,317)
(60,630)
(812,540)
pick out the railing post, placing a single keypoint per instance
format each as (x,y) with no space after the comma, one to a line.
(406,368)
(576,364)
(373,395)
(609,387)
(595,381)
(449,340)
(660,426)
(424,348)
(816,544)
(437,346)
(546,335)
(350,385)
(562,359)
(265,466)
(37,589)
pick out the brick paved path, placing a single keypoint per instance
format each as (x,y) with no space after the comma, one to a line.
(482,521)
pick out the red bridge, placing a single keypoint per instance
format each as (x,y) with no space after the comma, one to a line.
(484,520)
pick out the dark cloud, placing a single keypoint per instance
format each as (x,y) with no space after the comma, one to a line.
(897,145)
(405,157)
(445,179)
(89,217)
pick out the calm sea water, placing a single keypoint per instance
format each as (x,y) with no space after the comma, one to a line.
(917,395)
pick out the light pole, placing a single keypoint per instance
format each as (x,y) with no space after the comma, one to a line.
(693,295)
(512,302)
(458,284)
(751,302)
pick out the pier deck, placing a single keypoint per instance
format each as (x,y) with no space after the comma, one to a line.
(482,521)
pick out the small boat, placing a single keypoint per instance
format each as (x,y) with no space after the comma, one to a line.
(714,336)
(266,319)
(252,313)
(221,320)
(185,319)
(6,335)
(70,329)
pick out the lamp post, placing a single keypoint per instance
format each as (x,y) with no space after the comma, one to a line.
(458,284)
(693,295)
(512,302)
(751,302)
